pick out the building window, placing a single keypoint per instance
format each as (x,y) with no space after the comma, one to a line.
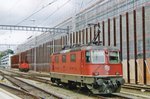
(63,58)
(73,57)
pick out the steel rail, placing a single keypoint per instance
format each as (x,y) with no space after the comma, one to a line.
(113,96)
(118,95)
(30,76)
(41,93)
(26,76)
(28,73)
(35,78)
(137,87)
(18,92)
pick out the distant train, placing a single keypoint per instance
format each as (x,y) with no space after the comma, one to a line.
(98,68)
(24,66)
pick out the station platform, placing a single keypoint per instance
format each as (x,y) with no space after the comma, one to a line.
(6,95)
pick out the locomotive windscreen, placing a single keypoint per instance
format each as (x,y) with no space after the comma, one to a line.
(95,56)
(114,57)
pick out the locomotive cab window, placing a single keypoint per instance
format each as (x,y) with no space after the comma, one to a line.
(63,58)
(114,57)
(88,56)
(73,57)
(56,59)
(95,56)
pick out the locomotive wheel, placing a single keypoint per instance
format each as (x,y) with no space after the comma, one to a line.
(57,81)
(65,85)
(52,80)
(91,89)
(72,85)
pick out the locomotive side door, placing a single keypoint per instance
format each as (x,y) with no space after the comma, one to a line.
(82,61)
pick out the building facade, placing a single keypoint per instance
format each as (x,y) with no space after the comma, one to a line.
(6,61)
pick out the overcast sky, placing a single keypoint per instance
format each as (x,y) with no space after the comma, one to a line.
(13,12)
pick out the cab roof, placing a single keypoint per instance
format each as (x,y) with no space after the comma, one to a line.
(88,47)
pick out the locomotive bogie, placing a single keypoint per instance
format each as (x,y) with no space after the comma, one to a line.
(95,84)
(24,69)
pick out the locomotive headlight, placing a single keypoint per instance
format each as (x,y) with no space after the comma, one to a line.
(107,68)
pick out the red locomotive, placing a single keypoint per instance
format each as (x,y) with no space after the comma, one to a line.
(95,67)
(24,66)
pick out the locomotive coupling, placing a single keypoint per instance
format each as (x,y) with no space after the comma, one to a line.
(109,85)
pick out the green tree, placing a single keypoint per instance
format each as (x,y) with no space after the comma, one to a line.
(8,51)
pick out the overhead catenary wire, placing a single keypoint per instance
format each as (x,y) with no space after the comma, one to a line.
(55,11)
(37,12)
(81,5)
(38,5)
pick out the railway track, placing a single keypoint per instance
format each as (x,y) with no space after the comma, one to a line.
(136,90)
(31,89)
(113,96)
(20,93)
(26,76)
(31,73)
(137,87)
(122,95)
(35,78)
(41,83)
